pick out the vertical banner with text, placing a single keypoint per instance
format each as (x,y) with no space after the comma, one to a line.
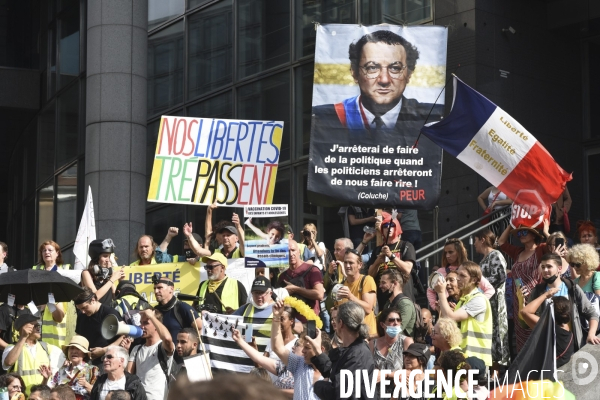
(264,232)
(374,88)
(202,160)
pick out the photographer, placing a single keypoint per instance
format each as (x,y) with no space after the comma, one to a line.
(316,249)
(98,277)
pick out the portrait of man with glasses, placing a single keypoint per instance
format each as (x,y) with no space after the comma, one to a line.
(381,64)
(374,89)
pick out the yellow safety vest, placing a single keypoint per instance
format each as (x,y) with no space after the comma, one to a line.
(61,266)
(137,262)
(236,253)
(477,336)
(54,333)
(27,367)
(266,330)
(229,296)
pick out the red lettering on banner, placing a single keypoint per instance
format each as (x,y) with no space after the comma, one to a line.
(259,188)
(171,133)
(412,195)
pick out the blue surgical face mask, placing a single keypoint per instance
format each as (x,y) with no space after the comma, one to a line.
(393,331)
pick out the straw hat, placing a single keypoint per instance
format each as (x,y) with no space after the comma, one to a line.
(79,342)
(527,228)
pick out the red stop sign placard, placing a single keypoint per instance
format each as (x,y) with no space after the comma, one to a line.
(528,209)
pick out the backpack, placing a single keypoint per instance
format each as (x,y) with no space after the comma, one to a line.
(420,329)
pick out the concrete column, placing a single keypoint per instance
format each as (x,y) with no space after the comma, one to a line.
(115,153)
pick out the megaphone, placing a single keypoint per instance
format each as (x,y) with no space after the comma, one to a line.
(111,327)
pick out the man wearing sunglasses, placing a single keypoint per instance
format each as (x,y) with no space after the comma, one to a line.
(223,293)
(29,353)
(115,376)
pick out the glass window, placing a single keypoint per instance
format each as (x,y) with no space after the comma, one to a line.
(28,232)
(30,161)
(282,192)
(158,222)
(52,60)
(303,107)
(323,12)
(397,12)
(269,100)
(160,11)
(45,213)
(66,206)
(195,3)
(69,46)
(165,68)
(594,87)
(593,163)
(210,48)
(68,126)
(45,154)
(215,107)
(263,35)
(67,254)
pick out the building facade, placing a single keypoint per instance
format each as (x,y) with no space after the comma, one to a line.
(83,85)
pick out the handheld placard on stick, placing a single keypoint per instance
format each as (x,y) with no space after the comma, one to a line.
(202,346)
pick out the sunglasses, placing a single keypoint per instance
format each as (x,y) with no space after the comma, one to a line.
(386,225)
(211,266)
(108,356)
(394,320)
(522,233)
(576,265)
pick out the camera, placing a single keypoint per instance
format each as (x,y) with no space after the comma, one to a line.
(311,329)
(306,233)
(189,254)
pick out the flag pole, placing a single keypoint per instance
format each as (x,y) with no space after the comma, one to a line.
(433,105)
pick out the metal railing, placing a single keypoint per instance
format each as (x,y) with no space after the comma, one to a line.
(469,234)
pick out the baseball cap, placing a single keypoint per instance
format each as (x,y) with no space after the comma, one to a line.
(420,351)
(478,365)
(23,320)
(260,284)
(218,257)
(229,228)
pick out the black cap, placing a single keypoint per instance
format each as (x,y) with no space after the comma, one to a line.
(260,284)
(229,228)
(197,237)
(478,365)
(420,351)
(100,246)
(23,320)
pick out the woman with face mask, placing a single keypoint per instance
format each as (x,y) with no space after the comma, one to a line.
(388,347)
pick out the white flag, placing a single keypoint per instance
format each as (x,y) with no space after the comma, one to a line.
(85,234)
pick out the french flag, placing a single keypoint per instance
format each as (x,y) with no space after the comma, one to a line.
(497,147)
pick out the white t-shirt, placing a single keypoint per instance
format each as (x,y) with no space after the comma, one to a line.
(148,369)
(111,385)
(57,357)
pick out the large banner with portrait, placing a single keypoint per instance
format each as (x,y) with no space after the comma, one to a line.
(374,88)
(203,160)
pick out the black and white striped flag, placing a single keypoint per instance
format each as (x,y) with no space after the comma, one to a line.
(224,353)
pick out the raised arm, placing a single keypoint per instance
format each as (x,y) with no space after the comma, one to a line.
(163,332)
(258,232)
(236,222)
(208,223)
(87,281)
(445,310)
(193,243)
(171,233)
(267,363)
(276,337)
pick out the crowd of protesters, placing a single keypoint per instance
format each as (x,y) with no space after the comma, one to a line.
(475,316)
